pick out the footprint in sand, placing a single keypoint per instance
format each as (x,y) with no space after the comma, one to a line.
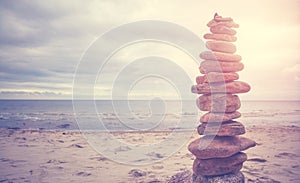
(122,148)
(158,167)
(287,155)
(76,145)
(99,158)
(260,160)
(155,155)
(84,174)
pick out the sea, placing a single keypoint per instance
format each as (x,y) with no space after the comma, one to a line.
(140,115)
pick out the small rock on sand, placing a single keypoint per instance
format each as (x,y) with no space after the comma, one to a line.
(137,173)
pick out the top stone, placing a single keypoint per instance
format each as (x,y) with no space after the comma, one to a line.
(221,25)
(219,18)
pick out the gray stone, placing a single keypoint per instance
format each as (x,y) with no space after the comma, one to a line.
(237,177)
(188,177)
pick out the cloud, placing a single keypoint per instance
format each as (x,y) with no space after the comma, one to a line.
(21,69)
(20,94)
(41,42)
(293,72)
(23,23)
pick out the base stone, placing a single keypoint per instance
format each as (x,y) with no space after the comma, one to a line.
(227,178)
(187,176)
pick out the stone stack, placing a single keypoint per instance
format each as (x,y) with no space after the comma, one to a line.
(218,152)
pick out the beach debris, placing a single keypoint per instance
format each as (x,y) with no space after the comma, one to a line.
(137,173)
(218,152)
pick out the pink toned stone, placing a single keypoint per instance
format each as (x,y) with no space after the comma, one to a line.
(219,117)
(214,77)
(229,128)
(219,56)
(221,46)
(220,37)
(219,147)
(230,87)
(229,24)
(221,29)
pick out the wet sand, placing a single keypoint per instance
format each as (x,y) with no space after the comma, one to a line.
(65,156)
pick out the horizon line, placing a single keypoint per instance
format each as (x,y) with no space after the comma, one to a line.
(247,100)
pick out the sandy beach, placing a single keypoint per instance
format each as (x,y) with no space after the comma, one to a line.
(139,78)
(65,156)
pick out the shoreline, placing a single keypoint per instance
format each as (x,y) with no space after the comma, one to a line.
(135,131)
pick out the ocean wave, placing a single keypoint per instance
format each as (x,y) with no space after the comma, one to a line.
(44,114)
(269,114)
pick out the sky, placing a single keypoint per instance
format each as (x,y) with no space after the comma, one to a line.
(42,44)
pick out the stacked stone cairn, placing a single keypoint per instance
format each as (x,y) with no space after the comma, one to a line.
(218,151)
